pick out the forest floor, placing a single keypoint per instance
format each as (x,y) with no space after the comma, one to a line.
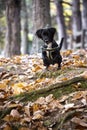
(34,99)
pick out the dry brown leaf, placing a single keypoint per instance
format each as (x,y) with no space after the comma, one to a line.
(38,115)
(25,119)
(8,118)
(84,74)
(14,105)
(40,80)
(24,128)
(27,110)
(36,68)
(7,127)
(79,63)
(3,84)
(66,53)
(14,113)
(77,57)
(49,98)
(63,98)
(41,100)
(55,104)
(78,121)
(78,95)
(17,59)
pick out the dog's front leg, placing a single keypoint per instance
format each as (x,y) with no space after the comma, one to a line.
(59,66)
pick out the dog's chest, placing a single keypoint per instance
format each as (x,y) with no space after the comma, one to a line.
(49,52)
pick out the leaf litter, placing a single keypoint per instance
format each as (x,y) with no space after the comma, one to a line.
(26,73)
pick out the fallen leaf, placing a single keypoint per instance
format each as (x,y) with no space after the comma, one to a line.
(14,113)
(78,121)
(49,98)
(36,107)
(24,128)
(36,68)
(78,95)
(64,79)
(41,100)
(38,115)
(7,127)
(8,118)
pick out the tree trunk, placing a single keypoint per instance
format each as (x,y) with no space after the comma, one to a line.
(76,16)
(84,14)
(41,18)
(61,22)
(12,45)
(24,28)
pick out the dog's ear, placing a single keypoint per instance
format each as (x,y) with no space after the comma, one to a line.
(52,30)
(38,33)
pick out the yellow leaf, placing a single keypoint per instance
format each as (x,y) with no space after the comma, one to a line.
(3,85)
(17,59)
(76,57)
(39,80)
(64,79)
(8,118)
(35,69)
(67,53)
(1,63)
(17,90)
(7,127)
(35,107)
(19,87)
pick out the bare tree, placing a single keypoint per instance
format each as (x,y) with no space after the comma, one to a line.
(24,28)
(76,16)
(61,22)
(12,45)
(84,14)
(41,17)
(84,23)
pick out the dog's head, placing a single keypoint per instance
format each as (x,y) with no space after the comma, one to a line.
(46,34)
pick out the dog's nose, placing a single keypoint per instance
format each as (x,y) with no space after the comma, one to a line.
(46,40)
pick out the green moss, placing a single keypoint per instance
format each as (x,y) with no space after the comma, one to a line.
(32,96)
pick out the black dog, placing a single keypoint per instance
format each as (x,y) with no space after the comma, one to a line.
(50,50)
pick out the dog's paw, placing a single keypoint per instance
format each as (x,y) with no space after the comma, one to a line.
(59,68)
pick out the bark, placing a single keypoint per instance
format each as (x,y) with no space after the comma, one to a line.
(76,16)
(61,22)
(24,28)
(41,18)
(12,45)
(84,14)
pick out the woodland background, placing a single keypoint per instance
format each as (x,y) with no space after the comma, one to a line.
(31,97)
(19,20)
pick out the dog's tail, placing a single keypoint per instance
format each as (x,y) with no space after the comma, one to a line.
(61,43)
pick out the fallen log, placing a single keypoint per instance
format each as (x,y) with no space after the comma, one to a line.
(30,95)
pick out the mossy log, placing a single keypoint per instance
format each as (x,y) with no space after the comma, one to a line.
(48,89)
